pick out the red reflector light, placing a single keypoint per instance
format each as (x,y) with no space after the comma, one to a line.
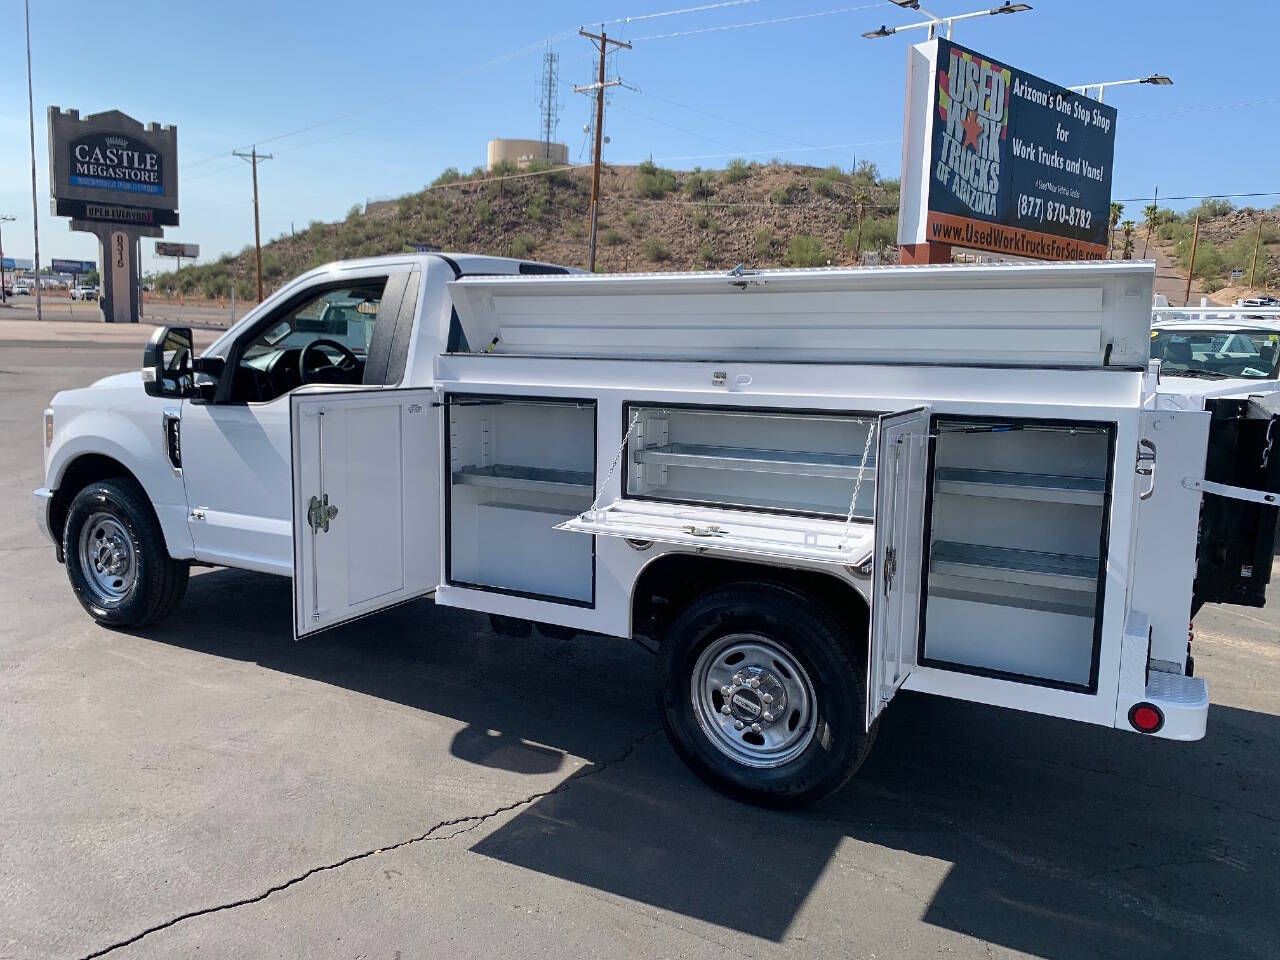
(1146,718)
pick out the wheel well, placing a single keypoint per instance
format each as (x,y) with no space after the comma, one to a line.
(667,585)
(82,471)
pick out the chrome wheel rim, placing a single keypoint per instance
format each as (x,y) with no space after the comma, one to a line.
(753,700)
(107,559)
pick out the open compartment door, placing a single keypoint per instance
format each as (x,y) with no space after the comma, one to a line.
(366,502)
(899,550)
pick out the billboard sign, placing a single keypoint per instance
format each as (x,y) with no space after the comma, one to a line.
(111,160)
(187,251)
(72,266)
(997,159)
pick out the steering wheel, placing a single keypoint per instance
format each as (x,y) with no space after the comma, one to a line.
(347,363)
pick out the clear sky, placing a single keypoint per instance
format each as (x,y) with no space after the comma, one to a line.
(419,86)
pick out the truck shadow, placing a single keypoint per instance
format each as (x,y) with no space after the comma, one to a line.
(1042,836)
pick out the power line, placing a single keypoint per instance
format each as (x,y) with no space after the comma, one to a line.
(713,116)
(757,23)
(671,13)
(1202,196)
(1203,107)
(684,130)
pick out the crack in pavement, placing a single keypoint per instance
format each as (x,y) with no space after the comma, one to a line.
(471,820)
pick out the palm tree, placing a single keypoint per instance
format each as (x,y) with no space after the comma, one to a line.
(1127,250)
(1116,210)
(1149,216)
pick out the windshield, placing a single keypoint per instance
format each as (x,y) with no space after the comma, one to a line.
(1250,354)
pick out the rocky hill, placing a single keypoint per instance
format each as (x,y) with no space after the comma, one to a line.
(650,219)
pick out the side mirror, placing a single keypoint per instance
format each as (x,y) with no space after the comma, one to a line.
(167,369)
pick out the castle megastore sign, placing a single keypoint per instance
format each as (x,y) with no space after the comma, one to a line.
(112,161)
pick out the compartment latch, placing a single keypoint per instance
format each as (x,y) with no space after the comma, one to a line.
(1146,466)
(319,513)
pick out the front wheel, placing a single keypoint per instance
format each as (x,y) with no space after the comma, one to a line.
(116,558)
(760,695)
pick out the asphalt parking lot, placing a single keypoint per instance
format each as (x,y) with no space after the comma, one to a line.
(414,785)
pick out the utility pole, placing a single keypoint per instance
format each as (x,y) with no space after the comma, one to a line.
(1257,242)
(5,218)
(253,157)
(602,42)
(1155,202)
(1191,267)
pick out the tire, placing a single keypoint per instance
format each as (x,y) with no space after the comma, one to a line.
(116,558)
(802,657)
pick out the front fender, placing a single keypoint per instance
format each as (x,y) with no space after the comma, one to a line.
(134,437)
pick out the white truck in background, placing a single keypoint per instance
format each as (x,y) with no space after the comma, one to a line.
(811,487)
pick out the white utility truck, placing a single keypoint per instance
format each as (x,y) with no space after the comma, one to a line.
(812,488)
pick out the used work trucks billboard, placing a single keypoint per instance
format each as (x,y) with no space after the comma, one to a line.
(997,159)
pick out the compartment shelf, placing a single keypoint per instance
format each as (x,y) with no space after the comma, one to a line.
(1020,486)
(505,476)
(839,465)
(1058,571)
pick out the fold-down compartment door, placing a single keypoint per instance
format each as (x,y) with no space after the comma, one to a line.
(898,564)
(735,531)
(366,502)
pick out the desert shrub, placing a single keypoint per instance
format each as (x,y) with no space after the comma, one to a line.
(447,175)
(877,233)
(483,213)
(706,255)
(702,220)
(611,238)
(762,243)
(522,245)
(654,183)
(634,220)
(737,170)
(806,251)
(700,185)
(656,250)
(784,194)
(1212,207)
(867,173)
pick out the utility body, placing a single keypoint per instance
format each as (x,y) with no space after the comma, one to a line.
(811,489)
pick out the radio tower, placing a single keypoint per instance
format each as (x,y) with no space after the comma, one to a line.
(548,99)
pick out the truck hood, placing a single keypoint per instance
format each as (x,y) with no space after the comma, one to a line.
(1203,387)
(116,381)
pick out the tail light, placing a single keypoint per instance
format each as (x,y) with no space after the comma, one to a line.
(1146,718)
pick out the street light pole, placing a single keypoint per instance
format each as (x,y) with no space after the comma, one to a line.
(935,21)
(1156,80)
(35,206)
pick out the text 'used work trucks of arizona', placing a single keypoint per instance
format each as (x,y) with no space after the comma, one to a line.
(813,488)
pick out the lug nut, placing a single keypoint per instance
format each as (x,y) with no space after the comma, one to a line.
(767,697)
(737,679)
(768,716)
(755,683)
(725,710)
(738,725)
(726,690)
(755,728)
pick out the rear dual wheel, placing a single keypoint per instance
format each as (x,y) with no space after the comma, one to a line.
(760,694)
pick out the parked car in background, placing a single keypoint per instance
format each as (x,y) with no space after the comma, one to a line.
(86,291)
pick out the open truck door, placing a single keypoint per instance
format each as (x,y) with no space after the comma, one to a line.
(366,502)
(898,561)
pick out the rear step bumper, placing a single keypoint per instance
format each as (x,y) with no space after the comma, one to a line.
(1182,702)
